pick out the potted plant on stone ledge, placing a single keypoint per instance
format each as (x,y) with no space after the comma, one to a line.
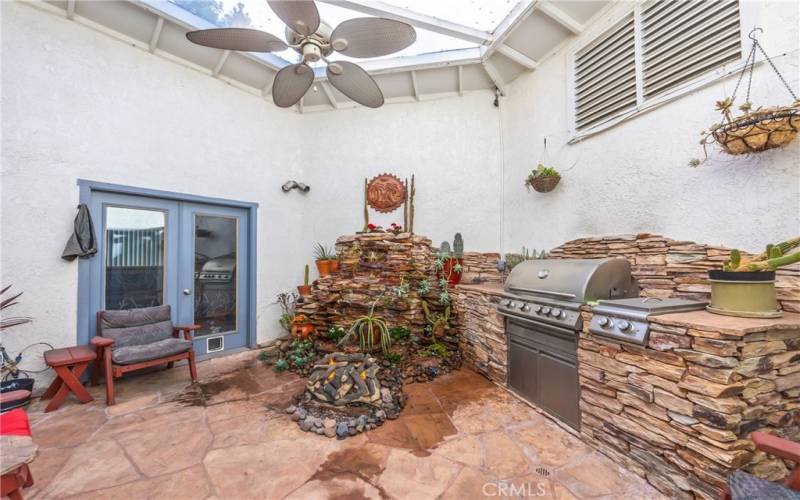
(746,285)
(304,290)
(323,257)
(543,179)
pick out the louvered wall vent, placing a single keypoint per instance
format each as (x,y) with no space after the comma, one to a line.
(215,344)
(684,39)
(605,76)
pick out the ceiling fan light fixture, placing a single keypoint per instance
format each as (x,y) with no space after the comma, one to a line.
(335,68)
(311,52)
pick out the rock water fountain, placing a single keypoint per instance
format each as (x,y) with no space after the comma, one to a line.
(347,393)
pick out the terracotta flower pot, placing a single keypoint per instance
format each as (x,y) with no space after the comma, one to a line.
(302,331)
(454,277)
(323,267)
(334,265)
(304,290)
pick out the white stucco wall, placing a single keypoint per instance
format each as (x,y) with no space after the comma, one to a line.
(452,146)
(79,104)
(634,177)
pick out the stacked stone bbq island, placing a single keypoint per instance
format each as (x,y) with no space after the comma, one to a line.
(678,410)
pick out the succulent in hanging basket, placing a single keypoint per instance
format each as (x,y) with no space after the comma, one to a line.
(754,130)
(543,179)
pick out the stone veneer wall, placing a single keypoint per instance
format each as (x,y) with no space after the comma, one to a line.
(373,264)
(679,411)
(482,340)
(670,268)
(480,268)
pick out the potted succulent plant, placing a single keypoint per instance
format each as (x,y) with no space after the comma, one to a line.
(304,290)
(543,179)
(323,257)
(746,285)
(449,264)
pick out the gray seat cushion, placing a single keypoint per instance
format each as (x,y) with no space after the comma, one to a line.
(128,355)
(136,326)
(744,486)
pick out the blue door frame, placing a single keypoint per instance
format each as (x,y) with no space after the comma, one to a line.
(87,297)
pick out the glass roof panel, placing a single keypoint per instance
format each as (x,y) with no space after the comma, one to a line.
(477,14)
(482,15)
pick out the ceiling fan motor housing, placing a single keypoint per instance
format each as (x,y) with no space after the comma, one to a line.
(320,38)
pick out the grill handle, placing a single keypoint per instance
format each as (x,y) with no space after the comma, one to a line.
(561,295)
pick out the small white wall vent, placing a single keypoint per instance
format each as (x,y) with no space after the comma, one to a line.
(605,75)
(215,344)
(682,40)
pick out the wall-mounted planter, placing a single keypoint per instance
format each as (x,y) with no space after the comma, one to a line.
(544,184)
(743,294)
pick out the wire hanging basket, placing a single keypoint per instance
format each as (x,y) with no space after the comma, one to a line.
(543,179)
(754,130)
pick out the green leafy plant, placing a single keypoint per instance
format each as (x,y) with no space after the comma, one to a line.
(9,321)
(424,287)
(773,257)
(288,302)
(437,321)
(301,352)
(335,333)
(321,252)
(367,327)
(267,356)
(281,365)
(402,289)
(393,358)
(399,333)
(436,349)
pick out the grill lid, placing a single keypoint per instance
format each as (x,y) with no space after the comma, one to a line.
(575,280)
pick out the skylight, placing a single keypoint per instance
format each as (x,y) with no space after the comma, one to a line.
(483,15)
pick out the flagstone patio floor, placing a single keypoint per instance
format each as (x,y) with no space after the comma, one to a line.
(459,437)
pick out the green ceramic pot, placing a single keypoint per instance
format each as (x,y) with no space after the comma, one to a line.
(746,294)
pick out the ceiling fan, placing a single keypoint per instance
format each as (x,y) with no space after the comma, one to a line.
(314,40)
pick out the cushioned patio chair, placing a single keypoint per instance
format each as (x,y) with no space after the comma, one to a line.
(139,338)
(744,486)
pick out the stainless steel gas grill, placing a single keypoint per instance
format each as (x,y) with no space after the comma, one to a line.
(626,319)
(542,307)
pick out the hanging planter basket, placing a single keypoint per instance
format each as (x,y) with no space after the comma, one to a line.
(759,131)
(754,130)
(544,184)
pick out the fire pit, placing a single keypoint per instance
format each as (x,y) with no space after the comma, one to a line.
(347,394)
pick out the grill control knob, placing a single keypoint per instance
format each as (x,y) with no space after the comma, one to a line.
(538,309)
(603,321)
(511,304)
(562,315)
(525,308)
(555,312)
(624,325)
(545,310)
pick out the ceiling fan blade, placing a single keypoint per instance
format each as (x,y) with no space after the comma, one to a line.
(244,39)
(351,80)
(371,37)
(291,83)
(301,16)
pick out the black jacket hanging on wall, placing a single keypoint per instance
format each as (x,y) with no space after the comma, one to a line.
(82,243)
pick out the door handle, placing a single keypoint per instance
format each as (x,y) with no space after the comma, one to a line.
(186,291)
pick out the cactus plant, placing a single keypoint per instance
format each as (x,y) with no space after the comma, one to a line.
(774,256)
(444,249)
(458,246)
(305,276)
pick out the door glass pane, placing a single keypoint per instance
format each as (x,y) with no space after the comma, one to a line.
(134,258)
(215,242)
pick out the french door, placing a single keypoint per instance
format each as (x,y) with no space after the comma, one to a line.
(192,256)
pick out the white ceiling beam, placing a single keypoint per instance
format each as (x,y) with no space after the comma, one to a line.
(430,23)
(414,85)
(434,60)
(70,9)
(561,17)
(517,56)
(326,88)
(156,34)
(220,63)
(494,75)
(510,23)
(461,80)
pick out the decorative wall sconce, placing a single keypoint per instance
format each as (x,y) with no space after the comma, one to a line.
(289,185)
